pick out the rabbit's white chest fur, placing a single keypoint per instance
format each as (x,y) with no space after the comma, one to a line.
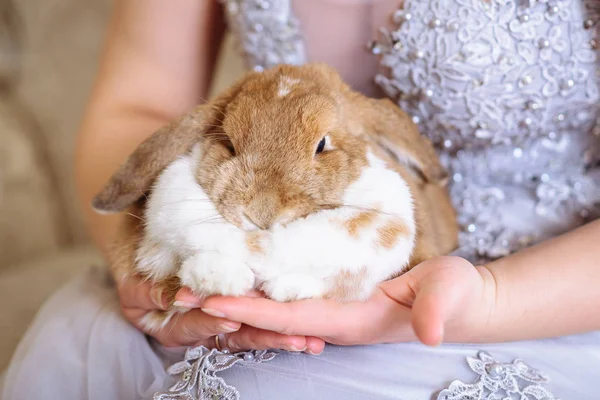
(341,253)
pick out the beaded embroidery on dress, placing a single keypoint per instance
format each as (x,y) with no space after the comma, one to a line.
(509,92)
(267,32)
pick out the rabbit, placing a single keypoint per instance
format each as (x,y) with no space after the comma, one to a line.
(289,182)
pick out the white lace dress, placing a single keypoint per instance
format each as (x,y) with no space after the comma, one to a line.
(508,91)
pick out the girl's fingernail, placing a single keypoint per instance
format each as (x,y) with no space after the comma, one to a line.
(229,327)
(184,304)
(212,312)
(309,351)
(291,347)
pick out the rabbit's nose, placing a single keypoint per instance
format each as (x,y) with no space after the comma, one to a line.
(264,210)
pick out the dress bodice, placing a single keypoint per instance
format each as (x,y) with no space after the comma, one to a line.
(506,89)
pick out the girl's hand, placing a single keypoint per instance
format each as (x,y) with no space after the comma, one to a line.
(445,298)
(198,328)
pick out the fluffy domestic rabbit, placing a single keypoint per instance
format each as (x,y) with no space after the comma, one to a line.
(290,183)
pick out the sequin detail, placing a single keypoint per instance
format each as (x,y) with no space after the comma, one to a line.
(266,31)
(198,380)
(497,380)
(508,92)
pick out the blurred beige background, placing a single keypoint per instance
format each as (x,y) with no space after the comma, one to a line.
(48,56)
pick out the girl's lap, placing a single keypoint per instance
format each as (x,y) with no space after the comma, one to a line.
(413,371)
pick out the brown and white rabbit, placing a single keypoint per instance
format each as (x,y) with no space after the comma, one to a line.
(289,182)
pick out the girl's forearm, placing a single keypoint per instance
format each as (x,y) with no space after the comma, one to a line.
(549,290)
(98,157)
(158,63)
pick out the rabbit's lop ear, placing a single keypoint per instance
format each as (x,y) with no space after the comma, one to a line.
(140,170)
(153,155)
(394,131)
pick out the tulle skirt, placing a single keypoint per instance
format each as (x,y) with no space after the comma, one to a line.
(80,347)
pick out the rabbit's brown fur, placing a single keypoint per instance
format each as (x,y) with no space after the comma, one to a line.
(258,159)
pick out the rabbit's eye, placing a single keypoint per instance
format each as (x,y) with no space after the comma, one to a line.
(226,142)
(229,146)
(220,140)
(321,145)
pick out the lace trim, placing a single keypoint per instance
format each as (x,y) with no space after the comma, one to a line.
(513,70)
(198,374)
(499,381)
(496,380)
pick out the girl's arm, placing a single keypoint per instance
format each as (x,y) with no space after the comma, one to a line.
(549,290)
(157,63)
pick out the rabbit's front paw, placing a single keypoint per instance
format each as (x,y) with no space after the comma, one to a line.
(155,261)
(293,287)
(214,273)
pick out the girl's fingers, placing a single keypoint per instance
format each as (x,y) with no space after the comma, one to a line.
(135,293)
(249,337)
(186,298)
(257,339)
(314,345)
(321,318)
(196,327)
(192,328)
